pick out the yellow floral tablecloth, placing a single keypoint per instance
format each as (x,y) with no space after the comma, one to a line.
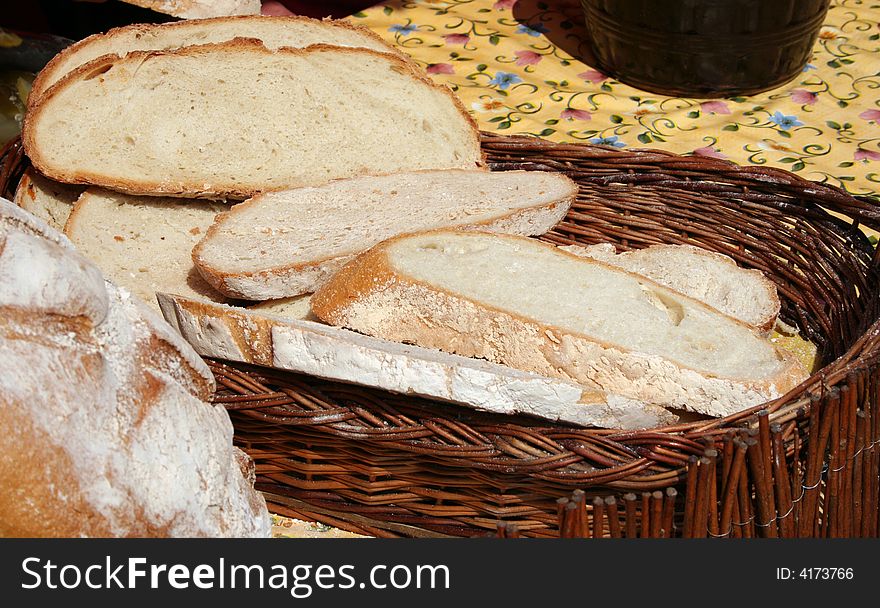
(516,66)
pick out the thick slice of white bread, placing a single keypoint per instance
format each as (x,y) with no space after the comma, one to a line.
(274,32)
(233,119)
(531,306)
(49,200)
(143,243)
(712,278)
(237,334)
(287,243)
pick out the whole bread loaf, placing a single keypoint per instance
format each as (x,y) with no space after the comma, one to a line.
(107,431)
(286,243)
(273,32)
(531,306)
(235,118)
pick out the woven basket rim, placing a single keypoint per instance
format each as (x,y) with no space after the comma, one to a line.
(785,407)
(384,464)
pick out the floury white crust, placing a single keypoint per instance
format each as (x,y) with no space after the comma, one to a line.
(106,427)
(249,336)
(526,304)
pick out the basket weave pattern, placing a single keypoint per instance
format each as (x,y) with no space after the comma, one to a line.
(806,464)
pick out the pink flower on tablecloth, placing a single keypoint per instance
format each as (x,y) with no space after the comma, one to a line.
(714,107)
(572,114)
(804,97)
(862,154)
(594,76)
(871,115)
(456,38)
(502,4)
(708,151)
(440,68)
(527,57)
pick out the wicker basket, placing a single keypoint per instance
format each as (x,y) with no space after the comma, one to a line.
(804,465)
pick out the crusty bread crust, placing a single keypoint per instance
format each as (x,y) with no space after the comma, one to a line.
(252,336)
(370,296)
(60,64)
(107,431)
(298,278)
(192,189)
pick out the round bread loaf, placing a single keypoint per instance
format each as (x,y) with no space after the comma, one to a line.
(107,431)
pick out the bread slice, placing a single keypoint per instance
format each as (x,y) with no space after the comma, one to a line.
(711,278)
(297,307)
(233,119)
(237,334)
(197,9)
(526,304)
(272,247)
(143,243)
(49,200)
(274,32)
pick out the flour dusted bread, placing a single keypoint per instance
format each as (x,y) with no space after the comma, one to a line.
(531,306)
(273,32)
(253,336)
(712,278)
(233,119)
(296,307)
(106,427)
(143,243)
(49,200)
(287,243)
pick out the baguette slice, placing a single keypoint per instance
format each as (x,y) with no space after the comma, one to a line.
(49,200)
(143,243)
(526,304)
(712,278)
(233,119)
(237,334)
(272,247)
(274,32)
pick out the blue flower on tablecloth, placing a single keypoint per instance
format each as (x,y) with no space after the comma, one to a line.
(608,141)
(504,79)
(808,67)
(532,29)
(785,122)
(404,30)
